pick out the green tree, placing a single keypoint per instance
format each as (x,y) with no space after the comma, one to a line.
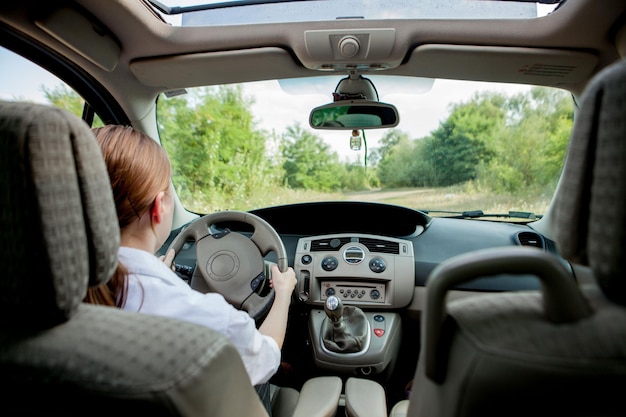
(481,116)
(464,141)
(392,138)
(454,153)
(396,164)
(309,163)
(531,148)
(64,97)
(506,144)
(423,173)
(359,177)
(218,156)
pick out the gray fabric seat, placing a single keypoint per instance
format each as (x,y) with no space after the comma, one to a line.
(60,356)
(59,232)
(560,351)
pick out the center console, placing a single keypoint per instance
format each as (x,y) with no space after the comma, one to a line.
(367,276)
(362,270)
(378,352)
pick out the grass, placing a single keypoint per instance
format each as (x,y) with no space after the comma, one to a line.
(455,198)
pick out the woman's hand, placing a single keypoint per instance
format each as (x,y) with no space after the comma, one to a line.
(275,324)
(283,282)
(168,259)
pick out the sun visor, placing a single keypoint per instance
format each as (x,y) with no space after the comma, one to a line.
(212,68)
(502,64)
(83,35)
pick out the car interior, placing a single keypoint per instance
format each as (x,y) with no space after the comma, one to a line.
(398,310)
(62,348)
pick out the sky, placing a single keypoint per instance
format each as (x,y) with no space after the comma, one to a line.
(20,78)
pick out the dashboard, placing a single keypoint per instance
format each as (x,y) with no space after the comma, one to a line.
(376,258)
(375,254)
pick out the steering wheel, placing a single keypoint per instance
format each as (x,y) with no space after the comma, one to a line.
(231,263)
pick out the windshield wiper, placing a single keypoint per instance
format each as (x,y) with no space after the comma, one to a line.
(475,214)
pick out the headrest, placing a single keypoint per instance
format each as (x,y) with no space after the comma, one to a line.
(590,227)
(58,224)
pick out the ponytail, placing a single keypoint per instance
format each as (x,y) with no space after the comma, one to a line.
(113,293)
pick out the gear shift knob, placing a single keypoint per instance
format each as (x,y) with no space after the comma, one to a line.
(334,309)
(345,329)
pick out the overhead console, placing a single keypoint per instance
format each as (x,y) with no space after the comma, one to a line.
(368,271)
(351,49)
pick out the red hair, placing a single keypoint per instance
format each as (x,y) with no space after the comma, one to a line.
(139,169)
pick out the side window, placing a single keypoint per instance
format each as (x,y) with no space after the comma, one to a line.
(23,80)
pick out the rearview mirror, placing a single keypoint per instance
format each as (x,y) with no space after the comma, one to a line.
(354,114)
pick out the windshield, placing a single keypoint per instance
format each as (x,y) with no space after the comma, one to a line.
(461,148)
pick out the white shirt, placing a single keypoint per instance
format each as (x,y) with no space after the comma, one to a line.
(154,289)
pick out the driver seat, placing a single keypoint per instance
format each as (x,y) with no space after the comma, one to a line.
(59,234)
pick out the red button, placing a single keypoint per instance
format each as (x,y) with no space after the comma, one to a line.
(379,332)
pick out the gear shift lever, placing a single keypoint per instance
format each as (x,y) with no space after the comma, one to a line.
(349,330)
(334,311)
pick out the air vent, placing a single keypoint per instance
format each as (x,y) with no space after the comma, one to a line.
(530,239)
(328,244)
(547,70)
(380,246)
